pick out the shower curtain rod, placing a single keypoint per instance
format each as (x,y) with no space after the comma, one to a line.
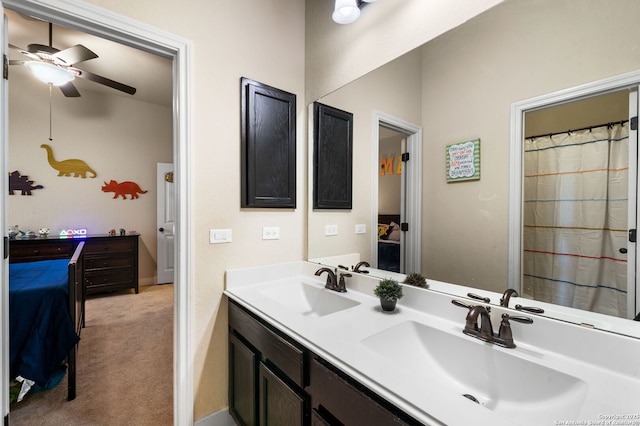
(621,122)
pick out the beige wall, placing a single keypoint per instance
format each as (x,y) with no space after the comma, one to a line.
(120,138)
(338,54)
(472,75)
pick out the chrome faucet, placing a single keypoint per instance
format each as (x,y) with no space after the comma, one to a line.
(484,331)
(360,265)
(332,280)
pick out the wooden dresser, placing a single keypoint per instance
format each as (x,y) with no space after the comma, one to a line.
(110,262)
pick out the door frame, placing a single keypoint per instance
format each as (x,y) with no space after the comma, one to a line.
(518,110)
(103,23)
(411,208)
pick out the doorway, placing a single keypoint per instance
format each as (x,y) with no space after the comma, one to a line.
(108,25)
(410,208)
(603,149)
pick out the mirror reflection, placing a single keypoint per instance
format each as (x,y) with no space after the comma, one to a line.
(461,86)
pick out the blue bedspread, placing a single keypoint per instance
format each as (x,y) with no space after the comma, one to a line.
(41,329)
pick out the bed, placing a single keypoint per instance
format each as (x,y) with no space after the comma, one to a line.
(46,315)
(389,242)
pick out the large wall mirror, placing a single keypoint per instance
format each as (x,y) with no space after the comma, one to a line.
(461,86)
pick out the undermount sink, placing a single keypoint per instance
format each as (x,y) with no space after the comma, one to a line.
(308,299)
(509,385)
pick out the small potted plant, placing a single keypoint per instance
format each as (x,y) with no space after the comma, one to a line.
(416,279)
(389,291)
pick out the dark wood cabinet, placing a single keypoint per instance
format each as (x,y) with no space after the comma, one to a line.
(337,399)
(242,382)
(274,380)
(110,262)
(279,403)
(265,374)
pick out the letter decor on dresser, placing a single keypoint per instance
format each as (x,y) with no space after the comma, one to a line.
(110,262)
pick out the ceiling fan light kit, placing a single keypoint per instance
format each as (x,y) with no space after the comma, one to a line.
(57,67)
(49,73)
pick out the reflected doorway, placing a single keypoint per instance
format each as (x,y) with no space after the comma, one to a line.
(393,138)
(391,197)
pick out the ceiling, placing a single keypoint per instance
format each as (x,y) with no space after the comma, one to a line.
(150,74)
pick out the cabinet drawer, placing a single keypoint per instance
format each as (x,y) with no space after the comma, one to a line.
(49,250)
(107,246)
(350,402)
(286,356)
(111,276)
(113,261)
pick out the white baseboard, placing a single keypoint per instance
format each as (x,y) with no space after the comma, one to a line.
(219,418)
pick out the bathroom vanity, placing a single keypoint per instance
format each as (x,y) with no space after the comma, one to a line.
(302,354)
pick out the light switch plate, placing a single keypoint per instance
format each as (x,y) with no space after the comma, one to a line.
(330,230)
(361,228)
(217,236)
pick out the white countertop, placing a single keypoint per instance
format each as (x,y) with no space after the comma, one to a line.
(338,337)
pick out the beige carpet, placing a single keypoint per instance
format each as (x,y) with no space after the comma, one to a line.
(125,366)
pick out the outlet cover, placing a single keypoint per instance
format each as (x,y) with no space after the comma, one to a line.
(270,232)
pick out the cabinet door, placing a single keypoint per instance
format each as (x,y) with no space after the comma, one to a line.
(279,404)
(242,383)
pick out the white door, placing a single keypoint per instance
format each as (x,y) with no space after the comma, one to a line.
(165,222)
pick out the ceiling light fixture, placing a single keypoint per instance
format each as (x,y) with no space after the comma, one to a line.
(49,73)
(347,11)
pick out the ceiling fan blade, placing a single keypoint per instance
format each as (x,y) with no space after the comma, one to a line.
(75,54)
(41,48)
(107,82)
(69,90)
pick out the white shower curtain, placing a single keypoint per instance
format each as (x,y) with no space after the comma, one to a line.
(575,219)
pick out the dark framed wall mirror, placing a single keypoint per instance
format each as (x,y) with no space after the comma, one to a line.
(332,157)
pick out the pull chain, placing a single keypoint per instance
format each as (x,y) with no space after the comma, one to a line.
(50,113)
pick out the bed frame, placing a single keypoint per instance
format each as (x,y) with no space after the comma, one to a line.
(77,298)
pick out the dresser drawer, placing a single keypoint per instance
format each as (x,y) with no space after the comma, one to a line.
(113,261)
(109,276)
(49,250)
(109,246)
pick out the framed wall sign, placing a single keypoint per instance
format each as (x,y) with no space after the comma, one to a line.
(268,140)
(463,161)
(332,158)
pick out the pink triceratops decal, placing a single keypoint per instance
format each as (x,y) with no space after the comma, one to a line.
(122,189)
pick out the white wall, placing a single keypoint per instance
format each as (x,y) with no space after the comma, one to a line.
(120,138)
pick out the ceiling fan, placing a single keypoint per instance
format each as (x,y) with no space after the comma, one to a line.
(57,67)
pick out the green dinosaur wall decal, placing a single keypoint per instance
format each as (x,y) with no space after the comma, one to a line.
(68,167)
